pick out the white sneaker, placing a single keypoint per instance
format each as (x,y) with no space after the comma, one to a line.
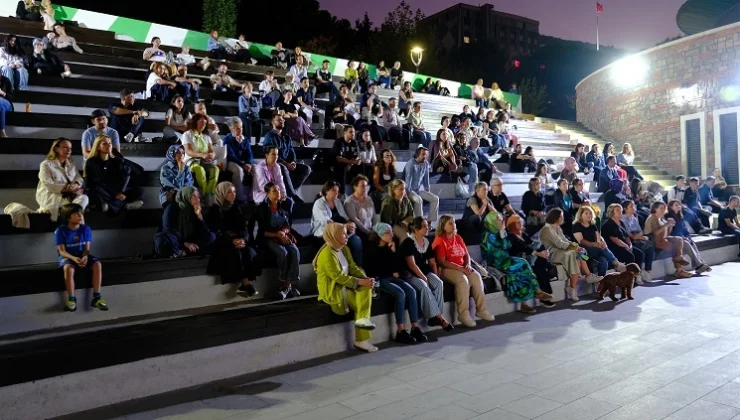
(621,268)
(572,294)
(647,277)
(136,205)
(364,324)
(254,62)
(466,320)
(638,280)
(365,346)
(593,278)
(484,315)
(142,139)
(104,207)
(128,137)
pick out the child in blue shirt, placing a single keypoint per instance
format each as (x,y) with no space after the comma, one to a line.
(73,239)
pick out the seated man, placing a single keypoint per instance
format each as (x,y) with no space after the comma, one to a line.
(416,123)
(416,176)
(298,71)
(323,82)
(396,75)
(304,97)
(728,223)
(500,201)
(187,87)
(294,173)
(249,112)
(279,56)
(706,195)
(392,123)
(677,192)
(692,200)
(100,127)
(239,157)
(368,95)
(215,50)
(347,163)
(42,61)
(222,82)
(127,116)
(608,174)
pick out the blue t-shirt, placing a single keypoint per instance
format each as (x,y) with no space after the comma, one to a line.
(74,241)
(88,137)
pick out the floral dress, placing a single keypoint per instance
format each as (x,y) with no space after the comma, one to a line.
(519,282)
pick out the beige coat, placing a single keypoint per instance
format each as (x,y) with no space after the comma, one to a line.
(561,248)
(52,179)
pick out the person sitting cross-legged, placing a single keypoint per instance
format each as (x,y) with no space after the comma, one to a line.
(323,82)
(660,229)
(268,171)
(127,116)
(589,238)
(222,82)
(108,179)
(73,240)
(706,195)
(343,284)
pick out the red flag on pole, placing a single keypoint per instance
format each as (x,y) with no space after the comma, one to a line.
(599,8)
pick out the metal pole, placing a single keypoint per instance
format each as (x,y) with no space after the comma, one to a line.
(597,31)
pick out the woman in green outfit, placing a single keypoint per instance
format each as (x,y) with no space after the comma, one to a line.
(519,282)
(199,156)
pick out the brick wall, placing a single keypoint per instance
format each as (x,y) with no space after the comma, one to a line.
(647,115)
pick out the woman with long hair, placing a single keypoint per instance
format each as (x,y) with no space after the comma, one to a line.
(176,120)
(626,161)
(59,181)
(533,206)
(199,155)
(108,179)
(397,209)
(523,246)
(441,153)
(675,213)
(384,171)
(519,282)
(579,154)
(11,62)
(454,259)
(618,240)
(639,240)
(366,153)
(588,237)
(661,231)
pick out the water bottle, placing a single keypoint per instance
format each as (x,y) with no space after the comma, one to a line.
(28,107)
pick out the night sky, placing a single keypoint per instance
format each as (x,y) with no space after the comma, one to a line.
(632,24)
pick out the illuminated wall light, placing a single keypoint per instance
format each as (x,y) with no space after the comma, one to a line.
(630,71)
(685,94)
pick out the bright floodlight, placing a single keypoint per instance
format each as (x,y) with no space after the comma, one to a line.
(417,50)
(630,71)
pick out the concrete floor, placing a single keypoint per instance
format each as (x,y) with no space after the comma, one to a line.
(673,353)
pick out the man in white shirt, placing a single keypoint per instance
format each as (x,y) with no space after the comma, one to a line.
(298,71)
(392,123)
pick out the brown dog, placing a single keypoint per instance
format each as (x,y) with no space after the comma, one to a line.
(625,280)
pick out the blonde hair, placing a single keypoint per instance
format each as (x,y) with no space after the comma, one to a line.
(393,185)
(627,146)
(94,152)
(494,85)
(52,155)
(611,208)
(443,220)
(581,210)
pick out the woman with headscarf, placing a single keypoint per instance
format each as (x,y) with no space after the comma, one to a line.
(519,282)
(523,246)
(344,285)
(174,175)
(570,170)
(615,194)
(183,229)
(11,62)
(383,263)
(234,258)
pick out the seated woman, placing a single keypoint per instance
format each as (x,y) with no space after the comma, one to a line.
(183,230)
(360,208)
(366,153)
(295,126)
(275,234)
(578,197)
(579,154)
(42,61)
(454,260)
(660,229)
(6,103)
(233,258)
(397,209)
(176,120)
(384,264)
(59,181)
(466,168)
(618,239)
(496,97)
(384,172)
(442,155)
(587,235)
(405,99)
(108,179)
(35,11)
(675,213)
(534,252)
(626,161)
(615,194)
(421,273)
(477,207)
(522,162)
(519,282)
(596,160)
(174,175)
(383,74)
(329,208)
(441,90)
(564,202)
(565,253)
(60,41)
(363,77)
(200,157)
(570,170)
(427,85)
(11,63)
(639,241)
(267,172)
(343,284)
(533,206)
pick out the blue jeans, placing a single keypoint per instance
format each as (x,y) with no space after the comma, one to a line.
(405,298)
(384,80)
(18,77)
(603,256)
(188,92)
(355,248)
(288,259)
(122,124)
(5,107)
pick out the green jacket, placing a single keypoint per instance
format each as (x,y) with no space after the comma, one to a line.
(394,212)
(329,277)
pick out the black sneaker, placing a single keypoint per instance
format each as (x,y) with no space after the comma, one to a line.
(247,291)
(418,335)
(294,292)
(297,200)
(434,322)
(547,304)
(404,337)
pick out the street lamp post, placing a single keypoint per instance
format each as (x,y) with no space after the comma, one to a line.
(416,56)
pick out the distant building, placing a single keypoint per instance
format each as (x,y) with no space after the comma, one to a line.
(465,24)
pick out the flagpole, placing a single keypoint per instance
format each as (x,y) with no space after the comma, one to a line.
(597,31)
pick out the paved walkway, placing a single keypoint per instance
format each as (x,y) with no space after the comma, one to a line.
(672,353)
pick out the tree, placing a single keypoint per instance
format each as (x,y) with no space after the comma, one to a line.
(534,96)
(220,15)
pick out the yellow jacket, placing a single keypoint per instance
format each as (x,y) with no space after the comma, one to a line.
(329,277)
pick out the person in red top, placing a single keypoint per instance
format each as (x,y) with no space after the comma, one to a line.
(454,260)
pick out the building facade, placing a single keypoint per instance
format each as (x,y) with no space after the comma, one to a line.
(465,24)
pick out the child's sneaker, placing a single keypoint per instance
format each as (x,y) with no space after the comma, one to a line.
(99,303)
(70,306)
